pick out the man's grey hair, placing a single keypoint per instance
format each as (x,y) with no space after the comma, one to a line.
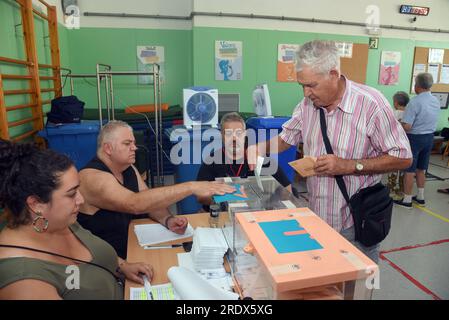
(424,80)
(319,55)
(108,130)
(401,97)
(232,117)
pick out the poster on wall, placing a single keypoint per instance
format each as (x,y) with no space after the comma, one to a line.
(146,57)
(444,75)
(436,56)
(433,69)
(417,69)
(286,62)
(344,49)
(389,68)
(228,60)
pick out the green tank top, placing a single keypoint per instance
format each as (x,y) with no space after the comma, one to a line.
(94,282)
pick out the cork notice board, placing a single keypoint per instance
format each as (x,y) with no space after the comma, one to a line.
(355,68)
(422,57)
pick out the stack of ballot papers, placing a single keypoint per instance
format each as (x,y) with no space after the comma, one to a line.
(148,234)
(209,247)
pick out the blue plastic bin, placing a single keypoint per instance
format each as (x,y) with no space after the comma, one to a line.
(77,140)
(188,171)
(285,157)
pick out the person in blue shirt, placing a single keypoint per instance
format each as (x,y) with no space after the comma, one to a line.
(419,121)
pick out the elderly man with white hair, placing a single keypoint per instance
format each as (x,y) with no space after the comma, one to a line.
(365,137)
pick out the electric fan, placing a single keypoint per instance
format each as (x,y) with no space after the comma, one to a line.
(200,106)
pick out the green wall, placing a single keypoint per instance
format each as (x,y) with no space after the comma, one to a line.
(118,48)
(189,60)
(260,56)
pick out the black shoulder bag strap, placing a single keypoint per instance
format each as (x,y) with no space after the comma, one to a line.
(340,182)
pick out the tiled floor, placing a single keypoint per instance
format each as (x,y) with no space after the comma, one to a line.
(421,270)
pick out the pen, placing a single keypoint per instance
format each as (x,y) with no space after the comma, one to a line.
(148,288)
(163,246)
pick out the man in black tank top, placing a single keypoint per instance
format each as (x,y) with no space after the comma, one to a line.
(115,193)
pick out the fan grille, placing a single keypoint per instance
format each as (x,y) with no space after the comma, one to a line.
(201,107)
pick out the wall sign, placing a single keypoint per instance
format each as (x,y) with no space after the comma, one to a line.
(373,43)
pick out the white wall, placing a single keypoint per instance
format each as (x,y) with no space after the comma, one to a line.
(153,7)
(346,10)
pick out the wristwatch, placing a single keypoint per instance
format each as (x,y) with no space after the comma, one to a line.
(358,167)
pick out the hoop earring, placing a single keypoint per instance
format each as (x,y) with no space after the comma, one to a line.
(37,225)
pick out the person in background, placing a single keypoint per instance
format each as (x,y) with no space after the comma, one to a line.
(233,161)
(115,193)
(366,138)
(400,100)
(419,121)
(42,244)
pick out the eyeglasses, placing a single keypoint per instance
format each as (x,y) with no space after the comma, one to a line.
(238,133)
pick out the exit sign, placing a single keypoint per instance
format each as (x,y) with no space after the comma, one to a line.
(419,11)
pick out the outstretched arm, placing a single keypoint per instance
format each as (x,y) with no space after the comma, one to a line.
(102,190)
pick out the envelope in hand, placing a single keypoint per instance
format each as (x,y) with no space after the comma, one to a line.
(304,166)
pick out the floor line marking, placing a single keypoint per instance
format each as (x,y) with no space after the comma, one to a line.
(403,272)
(410,278)
(436,215)
(433,243)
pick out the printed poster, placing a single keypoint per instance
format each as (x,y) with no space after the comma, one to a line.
(146,57)
(389,68)
(434,69)
(286,62)
(417,69)
(436,56)
(444,75)
(344,49)
(228,60)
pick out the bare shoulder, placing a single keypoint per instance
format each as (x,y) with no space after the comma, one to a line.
(29,289)
(96,179)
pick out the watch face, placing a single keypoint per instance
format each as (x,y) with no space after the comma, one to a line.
(359,166)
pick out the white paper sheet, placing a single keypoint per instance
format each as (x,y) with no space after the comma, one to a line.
(444,75)
(436,55)
(433,69)
(191,286)
(148,234)
(160,292)
(417,69)
(259,165)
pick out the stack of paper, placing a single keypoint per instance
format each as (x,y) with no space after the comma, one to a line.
(209,247)
(148,234)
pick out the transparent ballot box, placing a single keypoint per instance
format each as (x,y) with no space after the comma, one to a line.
(293,254)
(263,193)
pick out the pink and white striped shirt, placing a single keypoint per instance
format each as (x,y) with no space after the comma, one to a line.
(363,126)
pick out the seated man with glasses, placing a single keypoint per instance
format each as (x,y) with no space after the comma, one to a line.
(233,160)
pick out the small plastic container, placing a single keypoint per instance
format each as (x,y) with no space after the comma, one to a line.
(214,215)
